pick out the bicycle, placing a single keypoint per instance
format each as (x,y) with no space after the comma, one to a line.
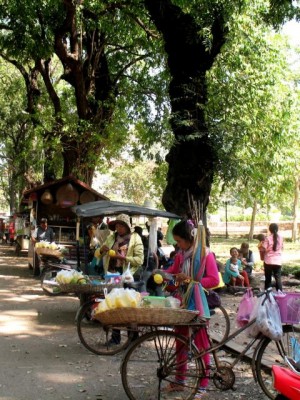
(155,359)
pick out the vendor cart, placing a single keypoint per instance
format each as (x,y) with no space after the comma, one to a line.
(93,334)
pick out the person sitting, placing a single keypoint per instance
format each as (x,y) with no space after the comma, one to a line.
(234,274)
(43,232)
(247,259)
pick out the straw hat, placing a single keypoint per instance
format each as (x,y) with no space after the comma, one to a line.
(121,219)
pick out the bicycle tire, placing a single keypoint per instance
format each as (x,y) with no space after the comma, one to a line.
(269,353)
(219,324)
(49,274)
(151,362)
(95,337)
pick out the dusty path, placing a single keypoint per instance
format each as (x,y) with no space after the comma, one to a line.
(41,356)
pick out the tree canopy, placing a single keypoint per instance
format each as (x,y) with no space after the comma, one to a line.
(92,70)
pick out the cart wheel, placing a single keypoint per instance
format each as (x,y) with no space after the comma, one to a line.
(100,339)
(47,279)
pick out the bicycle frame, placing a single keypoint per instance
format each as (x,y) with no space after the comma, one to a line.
(213,349)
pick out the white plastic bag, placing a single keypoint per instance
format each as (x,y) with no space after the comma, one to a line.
(268,318)
(127,276)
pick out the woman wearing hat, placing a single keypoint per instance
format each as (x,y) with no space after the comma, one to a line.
(127,247)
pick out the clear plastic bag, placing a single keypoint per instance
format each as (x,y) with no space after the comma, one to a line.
(268,318)
(127,276)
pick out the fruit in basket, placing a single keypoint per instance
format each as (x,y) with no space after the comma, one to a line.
(158,279)
(111,253)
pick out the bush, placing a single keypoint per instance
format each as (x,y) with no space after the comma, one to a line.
(286,270)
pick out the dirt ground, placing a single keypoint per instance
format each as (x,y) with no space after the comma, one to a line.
(42,358)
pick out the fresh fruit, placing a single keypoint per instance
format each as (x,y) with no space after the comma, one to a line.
(158,279)
(111,253)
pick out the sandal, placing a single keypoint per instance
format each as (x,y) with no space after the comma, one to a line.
(172,387)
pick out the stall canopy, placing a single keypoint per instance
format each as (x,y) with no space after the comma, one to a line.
(106,208)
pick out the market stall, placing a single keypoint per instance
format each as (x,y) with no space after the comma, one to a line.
(54,201)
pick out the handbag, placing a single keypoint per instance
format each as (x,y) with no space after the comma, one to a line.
(213,299)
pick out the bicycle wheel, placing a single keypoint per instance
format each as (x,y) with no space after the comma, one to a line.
(100,339)
(219,324)
(271,352)
(157,360)
(47,282)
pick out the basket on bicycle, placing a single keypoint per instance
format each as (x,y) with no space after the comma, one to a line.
(289,306)
(87,287)
(146,316)
(43,251)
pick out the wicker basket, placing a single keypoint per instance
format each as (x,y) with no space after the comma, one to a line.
(43,251)
(87,288)
(146,316)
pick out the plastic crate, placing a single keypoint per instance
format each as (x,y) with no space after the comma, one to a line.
(289,306)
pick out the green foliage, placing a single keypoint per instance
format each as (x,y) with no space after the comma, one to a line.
(20,148)
(133,182)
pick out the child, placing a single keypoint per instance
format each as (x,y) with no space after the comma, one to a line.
(234,273)
(261,238)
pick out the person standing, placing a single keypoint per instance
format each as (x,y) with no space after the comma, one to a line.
(184,269)
(127,247)
(273,245)
(121,248)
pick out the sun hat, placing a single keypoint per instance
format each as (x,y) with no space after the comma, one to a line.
(121,219)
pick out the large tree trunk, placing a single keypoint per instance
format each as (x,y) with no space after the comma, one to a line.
(192,157)
(295,209)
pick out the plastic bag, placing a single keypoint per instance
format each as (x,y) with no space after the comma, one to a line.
(253,329)
(127,276)
(268,318)
(245,308)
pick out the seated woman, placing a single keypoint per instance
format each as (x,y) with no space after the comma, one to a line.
(234,274)
(247,258)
